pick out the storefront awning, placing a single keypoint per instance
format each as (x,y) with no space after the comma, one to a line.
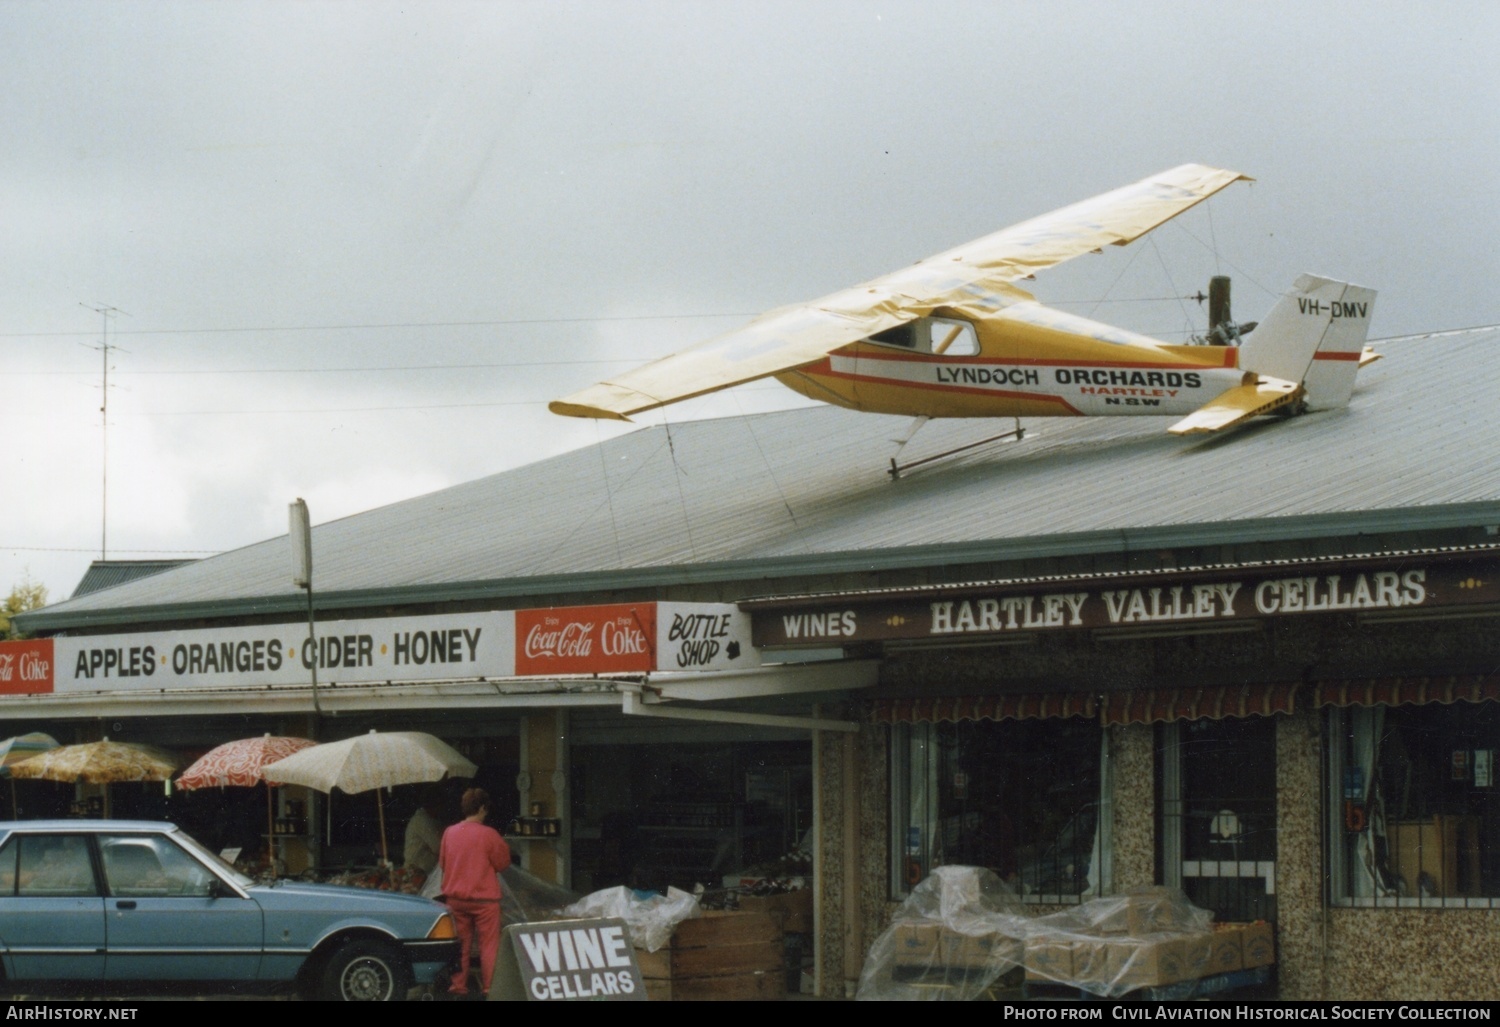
(1155,705)
(1031,706)
(1405,691)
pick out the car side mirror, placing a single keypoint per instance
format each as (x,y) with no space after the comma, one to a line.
(217,889)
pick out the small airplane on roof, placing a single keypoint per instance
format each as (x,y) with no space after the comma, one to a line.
(951,336)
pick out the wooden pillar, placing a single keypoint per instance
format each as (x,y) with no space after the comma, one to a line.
(544,778)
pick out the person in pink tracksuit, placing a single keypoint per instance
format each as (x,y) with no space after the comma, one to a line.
(470,856)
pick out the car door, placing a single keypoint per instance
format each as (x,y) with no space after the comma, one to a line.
(168,917)
(51,909)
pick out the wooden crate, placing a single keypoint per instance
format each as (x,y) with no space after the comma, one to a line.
(793,909)
(723,956)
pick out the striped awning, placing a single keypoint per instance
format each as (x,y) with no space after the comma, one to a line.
(940,709)
(1406,691)
(1155,705)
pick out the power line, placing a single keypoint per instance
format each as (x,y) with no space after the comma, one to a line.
(374,327)
(350,370)
(498,322)
(1435,335)
(377,410)
(61,549)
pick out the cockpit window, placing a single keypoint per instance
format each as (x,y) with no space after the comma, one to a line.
(939,336)
(904,336)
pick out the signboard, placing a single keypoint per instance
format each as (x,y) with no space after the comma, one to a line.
(26,667)
(387,649)
(568,961)
(1197,598)
(620,639)
(633,637)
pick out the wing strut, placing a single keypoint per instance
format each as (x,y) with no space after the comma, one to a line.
(896,470)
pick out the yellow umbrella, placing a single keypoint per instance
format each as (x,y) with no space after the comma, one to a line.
(103,762)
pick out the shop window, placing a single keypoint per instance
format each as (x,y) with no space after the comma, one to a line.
(1021,798)
(1416,808)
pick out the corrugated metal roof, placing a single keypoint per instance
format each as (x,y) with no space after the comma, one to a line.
(806,492)
(104,574)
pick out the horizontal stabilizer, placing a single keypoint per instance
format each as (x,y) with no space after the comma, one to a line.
(1239,404)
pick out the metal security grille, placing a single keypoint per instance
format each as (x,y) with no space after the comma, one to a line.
(1219,815)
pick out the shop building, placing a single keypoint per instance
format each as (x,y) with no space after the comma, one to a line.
(1261,667)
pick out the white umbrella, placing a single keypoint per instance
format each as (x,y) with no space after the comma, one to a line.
(22,747)
(376,760)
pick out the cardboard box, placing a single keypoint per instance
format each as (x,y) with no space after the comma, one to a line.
(983,951)
(1091,965)
(1124,964)
(1048,959)
(1149,911)
(1225,950)
(793,909)
(1257,944)
(917,944)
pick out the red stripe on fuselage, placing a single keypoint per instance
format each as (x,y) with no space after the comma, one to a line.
(1320,355)
(919,358)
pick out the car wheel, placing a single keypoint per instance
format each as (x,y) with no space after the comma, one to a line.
(365,971)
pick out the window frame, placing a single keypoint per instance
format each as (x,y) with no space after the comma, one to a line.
(1337,737)
(901,775)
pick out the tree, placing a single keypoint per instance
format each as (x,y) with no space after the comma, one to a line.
(28,595)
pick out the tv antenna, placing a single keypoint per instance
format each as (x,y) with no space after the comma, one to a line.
(105,312)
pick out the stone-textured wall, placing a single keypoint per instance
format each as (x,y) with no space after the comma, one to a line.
(830,882)
(1299,859)
(874,834)
(1346,954)
(1132,752)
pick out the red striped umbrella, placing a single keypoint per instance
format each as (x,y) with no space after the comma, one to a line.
(239,764)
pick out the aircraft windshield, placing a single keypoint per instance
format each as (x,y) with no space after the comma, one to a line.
(939,336)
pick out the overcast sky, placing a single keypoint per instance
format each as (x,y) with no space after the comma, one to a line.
(356,247)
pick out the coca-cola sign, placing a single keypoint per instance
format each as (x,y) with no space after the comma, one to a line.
(27,667)
(586,639)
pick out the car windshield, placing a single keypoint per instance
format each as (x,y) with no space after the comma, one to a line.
(210,857)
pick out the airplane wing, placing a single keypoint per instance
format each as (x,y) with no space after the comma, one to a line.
(972,281)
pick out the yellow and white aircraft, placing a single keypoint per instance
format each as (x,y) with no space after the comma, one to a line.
(951,336)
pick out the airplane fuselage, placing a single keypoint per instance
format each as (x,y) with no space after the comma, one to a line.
(1025,361)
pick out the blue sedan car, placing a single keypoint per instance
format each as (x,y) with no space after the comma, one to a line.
(125,901)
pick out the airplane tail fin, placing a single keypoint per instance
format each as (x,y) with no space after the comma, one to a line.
(1315,335)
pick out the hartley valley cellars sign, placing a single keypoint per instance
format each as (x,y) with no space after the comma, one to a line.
(1202,598)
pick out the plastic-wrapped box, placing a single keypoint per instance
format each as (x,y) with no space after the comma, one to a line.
(962,932)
